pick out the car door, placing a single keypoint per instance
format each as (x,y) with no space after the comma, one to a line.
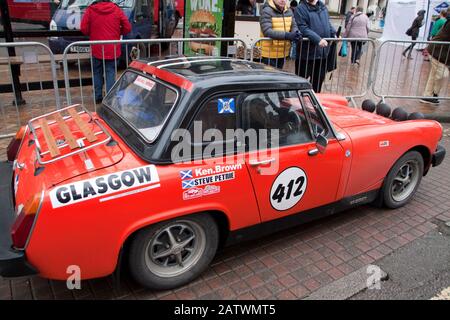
(293,176)
(216,174)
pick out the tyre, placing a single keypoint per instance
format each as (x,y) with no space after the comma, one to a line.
(172,253)
(403,180)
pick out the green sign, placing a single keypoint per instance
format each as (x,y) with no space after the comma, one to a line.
(203,19)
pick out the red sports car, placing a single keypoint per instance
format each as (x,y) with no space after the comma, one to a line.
(188,154)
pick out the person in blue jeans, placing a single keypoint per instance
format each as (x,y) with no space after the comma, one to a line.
(104,20)
(103,70)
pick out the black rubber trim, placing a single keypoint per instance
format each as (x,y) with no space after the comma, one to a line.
(12,262)
(438,156)
(269,227)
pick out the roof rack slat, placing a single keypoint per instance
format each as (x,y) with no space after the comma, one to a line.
(51,143)
(82,124)
(53,150)
(70,139)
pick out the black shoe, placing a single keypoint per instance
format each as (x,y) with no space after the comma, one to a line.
(430,100)
(98,101)
(436,97)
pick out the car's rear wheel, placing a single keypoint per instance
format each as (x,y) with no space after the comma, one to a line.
(172,253)
(403,180)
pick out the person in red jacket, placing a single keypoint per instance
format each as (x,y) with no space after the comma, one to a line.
(104,20)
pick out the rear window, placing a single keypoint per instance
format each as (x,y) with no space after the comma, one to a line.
(142,102)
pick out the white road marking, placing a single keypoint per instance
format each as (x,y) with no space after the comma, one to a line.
(444,295)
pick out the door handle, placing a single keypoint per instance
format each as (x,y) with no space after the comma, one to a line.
(261,162)
(313,152)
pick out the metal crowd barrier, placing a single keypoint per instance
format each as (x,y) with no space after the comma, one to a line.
(397,76)
(28,84)
(81,80)
(351,75)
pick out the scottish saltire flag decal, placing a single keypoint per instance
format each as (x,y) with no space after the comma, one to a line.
(186,174)
(226,105)
(187,184)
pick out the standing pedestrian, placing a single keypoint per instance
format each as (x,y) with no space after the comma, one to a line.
(246,7)
(382,17)
(437,26)
(277,22)
(104,20)
(440,62)
(413,32)
(293,5)
(348,15)
(314,23)
(439,23)
(357,27)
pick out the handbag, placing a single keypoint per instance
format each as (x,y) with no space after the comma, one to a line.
(409,32)
(332,57)
(344,49)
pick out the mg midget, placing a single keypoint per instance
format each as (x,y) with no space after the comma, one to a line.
(134,184)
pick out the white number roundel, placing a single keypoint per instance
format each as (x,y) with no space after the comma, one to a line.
(288,188)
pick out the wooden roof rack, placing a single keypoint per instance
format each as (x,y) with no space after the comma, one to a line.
(93,133)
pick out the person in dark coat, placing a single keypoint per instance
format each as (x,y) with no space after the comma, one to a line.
(413,32)
(314,23)
(247,7)
(348,15)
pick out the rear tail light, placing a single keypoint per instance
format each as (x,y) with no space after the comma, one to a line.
(23,225)
(14,145)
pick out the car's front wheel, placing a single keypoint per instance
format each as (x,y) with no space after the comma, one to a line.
(172,253)
(403,180)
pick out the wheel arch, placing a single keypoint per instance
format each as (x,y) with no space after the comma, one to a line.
(426,155)
(220,218)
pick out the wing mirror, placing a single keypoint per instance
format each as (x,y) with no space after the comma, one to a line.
(321,143)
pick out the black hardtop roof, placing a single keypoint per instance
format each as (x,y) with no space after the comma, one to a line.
(228,70)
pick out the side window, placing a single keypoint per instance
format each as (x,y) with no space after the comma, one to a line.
(219,113)
(280,111)
(317,124)
(212,121)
